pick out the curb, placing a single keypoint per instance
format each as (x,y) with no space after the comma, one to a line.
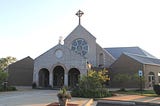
(124,103)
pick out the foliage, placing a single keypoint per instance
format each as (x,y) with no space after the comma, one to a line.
(90,93)
(157,89)
(4,62)
(124,78)
(63,94)
(122,90)
(137,79)
(121,78)
(92,86)
(101,75)
(8,88)
(3,76)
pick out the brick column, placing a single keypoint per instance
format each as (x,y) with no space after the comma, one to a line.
(66,79)
(51,79)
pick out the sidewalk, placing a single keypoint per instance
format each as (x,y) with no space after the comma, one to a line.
(133,98)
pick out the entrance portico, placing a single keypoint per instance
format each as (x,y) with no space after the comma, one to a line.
(58,76)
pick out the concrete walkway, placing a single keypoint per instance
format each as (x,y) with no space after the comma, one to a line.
(30,97)
(134,98)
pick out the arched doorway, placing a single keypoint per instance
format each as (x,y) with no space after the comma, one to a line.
(151,79)
(44,77)
(73,77)
(58,76)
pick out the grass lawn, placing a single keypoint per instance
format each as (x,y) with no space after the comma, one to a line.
(136,92)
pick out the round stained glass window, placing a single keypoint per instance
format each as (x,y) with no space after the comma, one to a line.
(80,46)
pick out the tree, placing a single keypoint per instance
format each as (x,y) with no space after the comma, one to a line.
(4,62)
(100,76)
(3,76)
(138,80)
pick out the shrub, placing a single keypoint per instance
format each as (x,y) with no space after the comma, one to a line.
(11,88)
(8,88)
(3,76)
(90,93)
(157,89)
(92,86)
(122,89)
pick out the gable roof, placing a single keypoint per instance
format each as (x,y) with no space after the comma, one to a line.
(25,60)
(143,59)
(117,51)
(53,49)
(79,30)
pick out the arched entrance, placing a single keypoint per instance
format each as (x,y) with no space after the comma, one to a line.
(73,77)
(151,79)
(58,76)
(44,77)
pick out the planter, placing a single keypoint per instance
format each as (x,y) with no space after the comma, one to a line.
(63,96)
(63,101)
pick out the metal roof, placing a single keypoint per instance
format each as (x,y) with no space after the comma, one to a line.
(144,59)
(117,51)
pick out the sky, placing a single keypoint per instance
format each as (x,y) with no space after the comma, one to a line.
(31,27)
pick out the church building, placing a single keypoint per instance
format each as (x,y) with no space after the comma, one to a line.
(65,63)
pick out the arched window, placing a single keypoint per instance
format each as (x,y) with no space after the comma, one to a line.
(101,60)
(44,77)
(73,77)
(58,76)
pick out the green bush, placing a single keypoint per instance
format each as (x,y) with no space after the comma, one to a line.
(3,76)
(90,93)
(122,89)
(11,88)
(157,89)
(92,86)
(8,88)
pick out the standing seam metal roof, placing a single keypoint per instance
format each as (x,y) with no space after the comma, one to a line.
(144,59)
(117,51)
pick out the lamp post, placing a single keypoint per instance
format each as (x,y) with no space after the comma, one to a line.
(140,74)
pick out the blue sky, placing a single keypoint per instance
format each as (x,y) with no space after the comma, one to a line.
(31,27)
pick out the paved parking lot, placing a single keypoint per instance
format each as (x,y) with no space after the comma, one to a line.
(29,97)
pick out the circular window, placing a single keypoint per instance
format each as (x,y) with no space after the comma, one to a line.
(59,53)
(80,46)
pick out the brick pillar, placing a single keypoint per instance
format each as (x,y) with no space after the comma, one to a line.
(66,79)
(51,79)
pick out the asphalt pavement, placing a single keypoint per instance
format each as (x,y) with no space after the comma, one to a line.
(31,97)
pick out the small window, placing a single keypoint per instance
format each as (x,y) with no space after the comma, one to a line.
(101,59)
